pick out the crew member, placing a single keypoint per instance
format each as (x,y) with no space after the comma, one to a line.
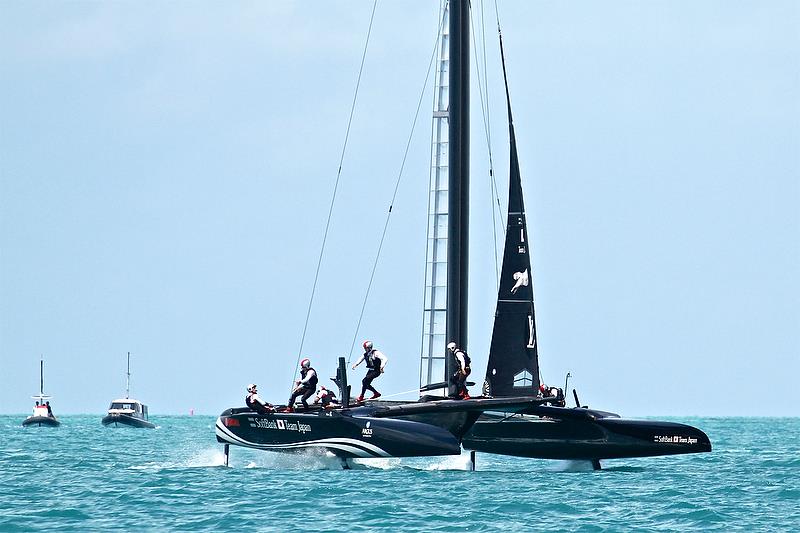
(327,398)
(49,409)
(376,363)
(254,401)
(553,392)
(459,379)
(305,386)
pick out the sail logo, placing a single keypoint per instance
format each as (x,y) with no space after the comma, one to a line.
(520,280)
(367,431)
(674,439)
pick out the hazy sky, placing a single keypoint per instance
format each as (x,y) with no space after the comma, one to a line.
(166,170)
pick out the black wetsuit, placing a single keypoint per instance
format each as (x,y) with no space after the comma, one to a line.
(304,390)
(373,371)
(460,377)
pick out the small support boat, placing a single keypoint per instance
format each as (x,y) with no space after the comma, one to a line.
(127,411)
(42,412)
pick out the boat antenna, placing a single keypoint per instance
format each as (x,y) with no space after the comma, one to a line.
(333,197)
(41,375)
(566,381)
(128,381)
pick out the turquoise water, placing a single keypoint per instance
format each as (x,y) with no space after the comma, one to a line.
(84,477)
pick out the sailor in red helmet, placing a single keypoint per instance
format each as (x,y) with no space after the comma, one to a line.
(326,397)
(305,386)
(376,363)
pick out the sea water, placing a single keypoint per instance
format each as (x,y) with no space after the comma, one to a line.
(85,477)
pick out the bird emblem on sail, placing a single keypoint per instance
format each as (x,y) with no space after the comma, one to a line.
(521,280)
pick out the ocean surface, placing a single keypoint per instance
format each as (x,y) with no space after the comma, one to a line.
(84,477)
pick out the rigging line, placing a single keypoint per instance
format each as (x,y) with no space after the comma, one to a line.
(335,188)
(494,181)
(484,98)
(491,184)
(394,194)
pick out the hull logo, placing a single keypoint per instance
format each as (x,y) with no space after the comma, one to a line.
(674,439)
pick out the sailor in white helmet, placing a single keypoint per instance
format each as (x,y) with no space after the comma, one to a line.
(254,401)
(305,386)
(459,379)
(376,363)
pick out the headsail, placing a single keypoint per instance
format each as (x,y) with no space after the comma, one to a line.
(513,368)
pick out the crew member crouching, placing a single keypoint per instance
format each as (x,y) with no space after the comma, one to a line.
(305,386)
(327,398)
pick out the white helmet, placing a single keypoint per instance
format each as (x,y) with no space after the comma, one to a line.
(305,363)
(367,345)
(451,346)
(251,387)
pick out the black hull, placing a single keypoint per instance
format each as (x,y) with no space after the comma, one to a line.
(40,421)
(343,435)
(125,420)
(581,434)
(377,429)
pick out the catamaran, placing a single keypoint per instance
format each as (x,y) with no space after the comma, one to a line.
(513,416)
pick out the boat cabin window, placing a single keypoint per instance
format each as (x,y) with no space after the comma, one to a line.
(123,405)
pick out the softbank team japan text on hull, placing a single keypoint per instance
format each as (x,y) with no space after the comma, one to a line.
(343,435)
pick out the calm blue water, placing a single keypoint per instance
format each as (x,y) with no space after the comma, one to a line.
(84,477)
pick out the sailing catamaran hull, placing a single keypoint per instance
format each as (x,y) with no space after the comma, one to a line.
(581,434)
(377,429)
(126,420)
(41,421)
(341,434)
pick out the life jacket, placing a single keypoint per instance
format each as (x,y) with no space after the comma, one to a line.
(248,401)
(467,360)
(372,361)
(314,380)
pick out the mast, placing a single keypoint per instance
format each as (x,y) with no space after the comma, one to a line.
(41,375)
(458,183)
(128,381)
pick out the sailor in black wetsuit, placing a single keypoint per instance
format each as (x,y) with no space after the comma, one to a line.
(306,385)
(546,391)
(459,379)
(376,363)
(254,401)
(327,398)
